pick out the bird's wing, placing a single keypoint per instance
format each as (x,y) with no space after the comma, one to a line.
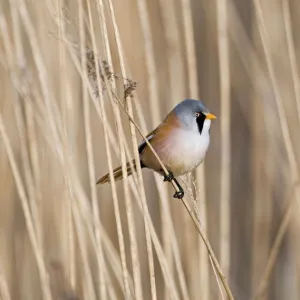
(143,144)
(149,136)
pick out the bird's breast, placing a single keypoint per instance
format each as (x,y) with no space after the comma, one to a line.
(183,150)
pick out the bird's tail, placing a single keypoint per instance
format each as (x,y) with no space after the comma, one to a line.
(118,174)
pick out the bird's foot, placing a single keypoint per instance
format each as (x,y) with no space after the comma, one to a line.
(179,194)
(169,177)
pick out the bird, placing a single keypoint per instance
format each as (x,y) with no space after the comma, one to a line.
(181,142)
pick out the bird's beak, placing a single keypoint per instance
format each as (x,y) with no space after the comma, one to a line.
(210,116)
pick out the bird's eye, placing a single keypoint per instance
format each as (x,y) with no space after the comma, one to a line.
(197,114)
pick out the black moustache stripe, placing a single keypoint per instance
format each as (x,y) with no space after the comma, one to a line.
(200,122)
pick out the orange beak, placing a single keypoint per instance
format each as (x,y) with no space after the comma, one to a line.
(210,116)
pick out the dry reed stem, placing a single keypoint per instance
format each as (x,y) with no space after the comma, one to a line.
(175,64)
(217,278)
(66,113)
(256,65)
(204,259)
(80,231)
(108,136)
(110,251)
(278,100)
(136,155)
(27,172)
(130,217)
(291,51)
(174,242)
(121,135)
(113,186)
(225,103)
(82,210)
(67,116)
(90,157)
(29,180)
(296,84)
(197,217)
(262,186)
(190,48)
(52,109)
(262,220)
(282,117)
(35,162)
(209,250)
(132,237)
(159,250)
(29,222)
(20,188)
(135,260)
(124,169)
(263,285)
(112,255)
(4,291)
(150,63)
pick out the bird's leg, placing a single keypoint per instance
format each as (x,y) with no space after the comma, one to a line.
(179,194)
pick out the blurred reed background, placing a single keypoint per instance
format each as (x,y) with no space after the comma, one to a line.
(65,67)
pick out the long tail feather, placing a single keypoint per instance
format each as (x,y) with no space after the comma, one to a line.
(118,174)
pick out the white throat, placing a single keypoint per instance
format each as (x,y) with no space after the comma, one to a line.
(206,127)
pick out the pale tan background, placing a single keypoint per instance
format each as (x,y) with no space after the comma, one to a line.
(251,169)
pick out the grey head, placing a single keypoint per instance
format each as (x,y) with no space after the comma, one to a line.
(192,114)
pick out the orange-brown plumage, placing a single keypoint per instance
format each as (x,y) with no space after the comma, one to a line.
(160,138)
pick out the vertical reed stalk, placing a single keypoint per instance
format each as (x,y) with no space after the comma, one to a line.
(225,103)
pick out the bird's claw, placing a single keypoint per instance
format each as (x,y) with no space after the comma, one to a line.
(169,177)
(179,195)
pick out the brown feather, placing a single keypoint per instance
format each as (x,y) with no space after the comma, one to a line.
(162,133)
(117,173)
